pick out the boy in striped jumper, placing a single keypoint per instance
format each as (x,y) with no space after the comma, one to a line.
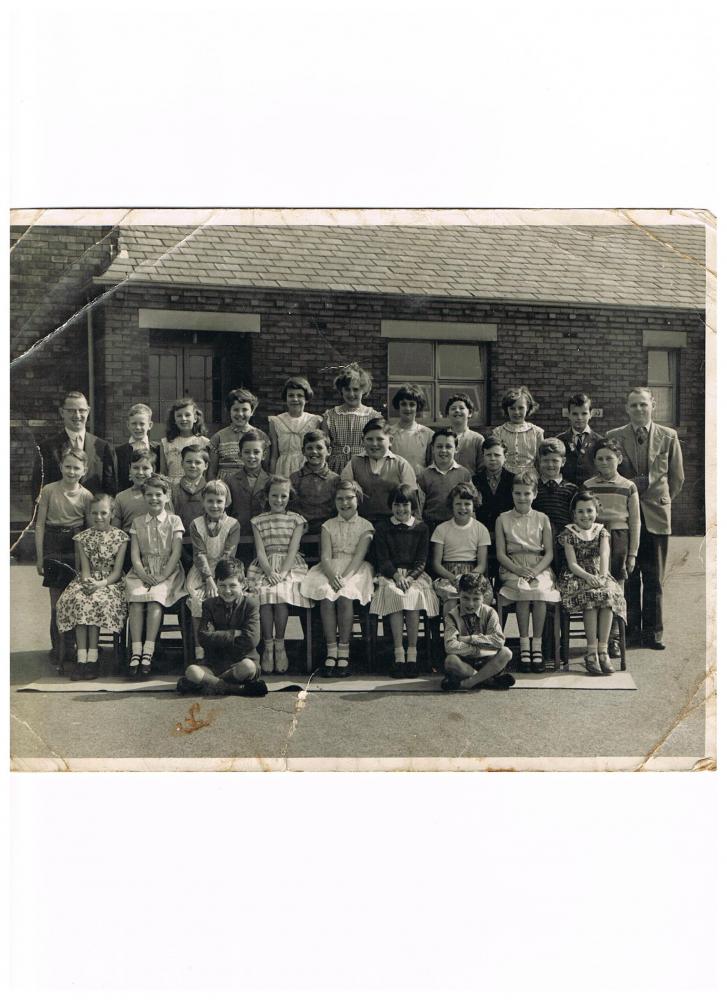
(554,495)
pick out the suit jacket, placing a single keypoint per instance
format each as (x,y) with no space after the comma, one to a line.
(123,462)
(666,473)
(216,634)
(577,466)
(493,504)
(100,474)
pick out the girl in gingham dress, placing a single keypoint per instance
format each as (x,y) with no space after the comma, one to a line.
(344,424)
(277,571)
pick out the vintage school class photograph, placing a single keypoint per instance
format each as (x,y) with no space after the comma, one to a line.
(381,493)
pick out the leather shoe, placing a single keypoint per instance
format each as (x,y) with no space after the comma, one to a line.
(653,643)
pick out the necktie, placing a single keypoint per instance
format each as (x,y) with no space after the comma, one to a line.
(551,484)
(641,435)
(579,441)
(471,623)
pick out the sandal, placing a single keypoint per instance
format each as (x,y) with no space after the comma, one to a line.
(134,664)
(329,665)
(341,668)
(146,659)
(525,661)
(536,658)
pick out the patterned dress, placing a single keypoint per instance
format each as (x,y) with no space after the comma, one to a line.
(156,536)
(106,607)
(344,537)
(345,430)
(524,541)
(276,531)
(211,542)
(577,594)
(225,450)
(289,433)
(173,454)
(521,441)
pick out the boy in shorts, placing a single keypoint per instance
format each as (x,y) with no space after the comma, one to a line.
(477,656)
(229,634)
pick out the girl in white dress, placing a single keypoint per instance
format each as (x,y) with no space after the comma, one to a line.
(525,551)
(410,439)
(342,576)
(156,580)
(215,535)
(287,429)
(277,571)
(519,437)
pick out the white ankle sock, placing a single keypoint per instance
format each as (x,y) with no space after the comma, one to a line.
(81,656)
(148,648)
(342,653)
(525,643)
(411,654)
(93,656)
(537,645)
(331,651)
(399,654)
(136,648)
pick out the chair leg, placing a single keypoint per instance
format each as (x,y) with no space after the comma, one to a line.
(373,626)
(566,640)
(556,635)
(309,640)
(61,652)
(622,641)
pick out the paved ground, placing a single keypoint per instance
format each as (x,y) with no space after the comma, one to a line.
(518,723)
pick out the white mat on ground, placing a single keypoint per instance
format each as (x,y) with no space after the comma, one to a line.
(573,680)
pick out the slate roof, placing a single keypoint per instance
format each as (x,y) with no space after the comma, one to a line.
(600,265)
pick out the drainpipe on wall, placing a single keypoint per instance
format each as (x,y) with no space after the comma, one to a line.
(89,349)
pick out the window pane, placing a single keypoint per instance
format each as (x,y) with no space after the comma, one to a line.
(410,359)
(663,411)
(659,368)
(458,360)
(476,392)
(423,418)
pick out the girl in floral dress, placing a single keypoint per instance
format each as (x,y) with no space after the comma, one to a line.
(287,429)
(518,435)
(344,424)
(585,582)
(97,599)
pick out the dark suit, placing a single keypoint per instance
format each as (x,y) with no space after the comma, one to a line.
(101,472)
(216,633)
(123,462)
(577,466)
(493,504)
(658,484)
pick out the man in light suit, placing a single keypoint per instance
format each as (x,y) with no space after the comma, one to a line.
(101,472)
(653,460)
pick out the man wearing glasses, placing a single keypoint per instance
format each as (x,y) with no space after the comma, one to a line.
(101,473)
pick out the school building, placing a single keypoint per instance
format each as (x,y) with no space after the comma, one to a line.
(150,313)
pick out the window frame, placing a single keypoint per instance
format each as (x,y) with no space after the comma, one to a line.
(673,385)
(435,381)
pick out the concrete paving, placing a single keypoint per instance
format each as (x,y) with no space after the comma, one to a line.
(666,714)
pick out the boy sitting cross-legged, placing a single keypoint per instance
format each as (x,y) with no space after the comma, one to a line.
(477,656)
(229,634)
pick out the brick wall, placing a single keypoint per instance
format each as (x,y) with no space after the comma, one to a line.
(555,350)
(50,268)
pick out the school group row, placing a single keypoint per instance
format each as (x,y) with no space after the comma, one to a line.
(431,471)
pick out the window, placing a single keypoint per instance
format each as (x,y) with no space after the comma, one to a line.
(441,369)
(663,380)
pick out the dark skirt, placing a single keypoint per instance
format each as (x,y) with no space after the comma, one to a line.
(59,555)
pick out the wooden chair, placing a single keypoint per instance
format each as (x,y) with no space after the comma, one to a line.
(568,617)
(174,635)
(503,609)
(424,630)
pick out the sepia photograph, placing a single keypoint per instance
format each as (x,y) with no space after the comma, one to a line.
(345,490)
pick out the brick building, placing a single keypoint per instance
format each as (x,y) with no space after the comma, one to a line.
(153,312)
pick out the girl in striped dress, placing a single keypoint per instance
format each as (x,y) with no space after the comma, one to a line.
(277,571)
(344,424)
